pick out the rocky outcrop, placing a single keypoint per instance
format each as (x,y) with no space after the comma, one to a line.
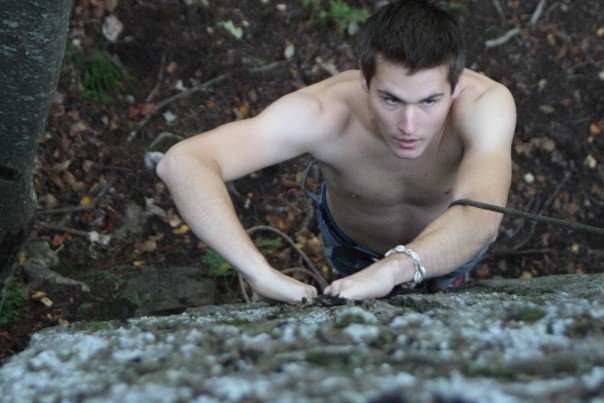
(506,340)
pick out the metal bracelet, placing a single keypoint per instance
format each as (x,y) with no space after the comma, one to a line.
(419,271)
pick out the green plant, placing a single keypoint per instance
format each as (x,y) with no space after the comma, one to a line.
(219,267)
(311,5)
(101,76)
(12,300)
(343,15)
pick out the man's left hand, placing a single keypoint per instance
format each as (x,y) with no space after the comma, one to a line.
(375,281)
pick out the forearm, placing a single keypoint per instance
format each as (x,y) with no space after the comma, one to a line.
(204,203)
(449,242)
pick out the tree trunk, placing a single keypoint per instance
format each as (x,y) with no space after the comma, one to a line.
(32,43)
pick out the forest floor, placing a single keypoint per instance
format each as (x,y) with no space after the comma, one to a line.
(109,114)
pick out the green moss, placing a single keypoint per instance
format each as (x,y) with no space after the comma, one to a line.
(91,326)
(102,76)
(348,319)
(13,299)
(530,315)
(337,362)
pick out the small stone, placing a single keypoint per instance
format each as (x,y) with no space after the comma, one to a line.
(529,178)
(289,52)
(591,162)
(112,28)
(600,32)
(546,109)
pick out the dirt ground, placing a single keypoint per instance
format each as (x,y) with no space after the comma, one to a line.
(553,67)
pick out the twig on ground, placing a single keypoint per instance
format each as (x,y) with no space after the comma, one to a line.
(543,209)
(160,78)
(537,12)
(193,90)
(89,206)
(328,67)
(499,10)
(311,271)
(291,243)
(162,136)
(243,287)
(62,228)
(233,190)
(491,43)
(304,271)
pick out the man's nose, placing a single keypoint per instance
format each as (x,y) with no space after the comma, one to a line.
(408,120)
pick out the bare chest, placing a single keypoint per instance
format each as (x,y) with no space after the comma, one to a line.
(379,199)
(381,181)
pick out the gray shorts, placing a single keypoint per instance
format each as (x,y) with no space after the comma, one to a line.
(348,257)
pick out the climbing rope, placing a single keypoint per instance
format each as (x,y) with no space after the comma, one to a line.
(532,217)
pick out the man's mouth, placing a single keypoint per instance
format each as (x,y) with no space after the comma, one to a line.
(407,143)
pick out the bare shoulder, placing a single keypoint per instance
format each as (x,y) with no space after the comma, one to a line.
(309,118)
(485,112)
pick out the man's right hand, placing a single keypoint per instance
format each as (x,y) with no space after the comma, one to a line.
(274,285)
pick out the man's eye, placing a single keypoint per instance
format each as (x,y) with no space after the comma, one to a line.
(429,102)
(390,101)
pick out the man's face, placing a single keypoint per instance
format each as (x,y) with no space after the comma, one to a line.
(410,110)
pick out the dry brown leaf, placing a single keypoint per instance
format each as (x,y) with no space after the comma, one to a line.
(147,246)
(183,229)
(38,295)
(46,301)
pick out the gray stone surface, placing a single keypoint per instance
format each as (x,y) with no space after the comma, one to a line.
(502,341)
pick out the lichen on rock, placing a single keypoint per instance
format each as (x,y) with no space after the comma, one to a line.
(498,340)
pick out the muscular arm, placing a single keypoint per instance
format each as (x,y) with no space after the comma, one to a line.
(195,171)
(457,235)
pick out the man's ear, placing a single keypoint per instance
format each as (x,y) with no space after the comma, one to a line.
(458,87)
(362,78)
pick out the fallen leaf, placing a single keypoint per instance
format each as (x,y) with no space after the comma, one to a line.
(594,128)
(234,30)
(85,201)
(184,228)
(147,246)
(58,239)
(575,248)
(591,162)
(46,301)
(243,110)
(138,263)
(171,67)
(38,295)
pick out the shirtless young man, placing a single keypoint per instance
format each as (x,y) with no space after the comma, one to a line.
(397,141)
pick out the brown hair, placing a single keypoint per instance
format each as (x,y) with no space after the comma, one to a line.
(415,34)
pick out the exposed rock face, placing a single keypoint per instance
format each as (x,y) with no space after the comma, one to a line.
(506,340)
